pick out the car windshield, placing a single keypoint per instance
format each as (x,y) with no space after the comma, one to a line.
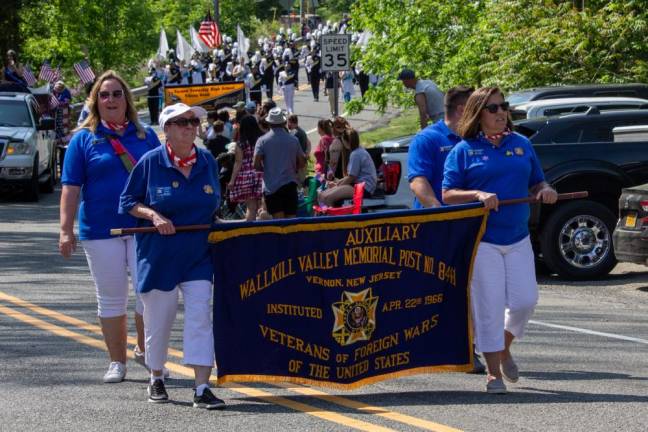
(520,97)
(14,114)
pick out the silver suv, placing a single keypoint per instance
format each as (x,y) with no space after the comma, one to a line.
(27,150)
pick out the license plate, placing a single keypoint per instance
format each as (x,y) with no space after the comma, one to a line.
(631,220)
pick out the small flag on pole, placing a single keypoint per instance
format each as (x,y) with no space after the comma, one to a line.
(48,74)
(84,71)
(209,33)
(53,102)
(29,77)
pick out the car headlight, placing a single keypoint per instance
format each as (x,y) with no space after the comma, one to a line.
(18,148)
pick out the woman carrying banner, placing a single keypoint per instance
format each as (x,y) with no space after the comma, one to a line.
(493,163)
(100,155)
(176,184)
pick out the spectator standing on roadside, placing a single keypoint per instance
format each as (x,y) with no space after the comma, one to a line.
(62,119)
(493,163)
(246,183)
(304,143)
(279,156)
(325,131)
(213,137)
(428,97)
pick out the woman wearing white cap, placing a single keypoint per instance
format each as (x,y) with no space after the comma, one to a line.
(176,184)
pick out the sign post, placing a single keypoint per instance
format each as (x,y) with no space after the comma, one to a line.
(336,57)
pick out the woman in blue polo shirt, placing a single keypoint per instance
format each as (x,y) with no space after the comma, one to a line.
(493,163)
(176,184)
(103,150)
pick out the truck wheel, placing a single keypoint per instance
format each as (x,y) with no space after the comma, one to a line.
(576,241)
(48,186)
(33,187)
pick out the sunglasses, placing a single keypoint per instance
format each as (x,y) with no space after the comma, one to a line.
(184,122)
(117,94)
(492,108)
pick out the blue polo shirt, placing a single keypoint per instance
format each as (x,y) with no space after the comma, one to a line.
(165,261)
(509,171)
(427,154)
(91,163)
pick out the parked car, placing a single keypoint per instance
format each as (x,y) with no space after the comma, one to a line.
(577,152)
(630,236)
(586,90)
(555,107)
(27,151)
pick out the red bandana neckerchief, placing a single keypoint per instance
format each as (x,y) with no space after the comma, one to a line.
(182,162)
(126,158)
(496,137)
(117,127)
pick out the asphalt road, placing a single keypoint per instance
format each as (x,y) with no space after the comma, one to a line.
(52,360)
(583,362)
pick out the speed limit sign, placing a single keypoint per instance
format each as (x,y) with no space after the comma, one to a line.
(335,52)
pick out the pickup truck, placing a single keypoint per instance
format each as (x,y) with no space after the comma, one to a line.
(577,152)
(27,150)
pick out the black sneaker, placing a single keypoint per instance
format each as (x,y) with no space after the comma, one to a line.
(207,401)
(157,393)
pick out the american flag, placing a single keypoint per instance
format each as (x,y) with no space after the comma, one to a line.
(53,102)
(29,76)
(48,74)
(84,71)
(209,33)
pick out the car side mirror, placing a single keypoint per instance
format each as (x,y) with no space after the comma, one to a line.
(46,123)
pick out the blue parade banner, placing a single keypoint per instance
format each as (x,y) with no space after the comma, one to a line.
(345,301)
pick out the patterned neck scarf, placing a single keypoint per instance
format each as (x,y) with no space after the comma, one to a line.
(116,127)
(496,137)
(182,162)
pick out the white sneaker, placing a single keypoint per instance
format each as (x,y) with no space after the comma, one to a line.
(139,358)
(116,373)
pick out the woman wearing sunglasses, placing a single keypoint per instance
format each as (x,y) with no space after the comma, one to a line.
(176,184)
(493,163)
(103,150)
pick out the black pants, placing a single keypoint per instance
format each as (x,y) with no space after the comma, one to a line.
(363,83)
(315,84)
(269,87)
(255,95)
(154,108)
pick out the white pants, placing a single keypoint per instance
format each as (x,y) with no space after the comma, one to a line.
(110,261)
(289,97)
(504,292)
(159,314)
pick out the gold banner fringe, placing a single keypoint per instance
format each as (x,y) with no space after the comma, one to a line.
(340,386)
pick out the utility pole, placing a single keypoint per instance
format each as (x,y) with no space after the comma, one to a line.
(217,15)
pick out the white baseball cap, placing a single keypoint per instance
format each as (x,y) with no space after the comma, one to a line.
(175,110)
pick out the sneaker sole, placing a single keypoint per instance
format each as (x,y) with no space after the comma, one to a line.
(209,407)
(511,380)
(113,380)
(496,391)
(158,401)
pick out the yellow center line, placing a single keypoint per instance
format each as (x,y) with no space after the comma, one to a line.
(361,406)
(308,391)
(183,370)
(93,328)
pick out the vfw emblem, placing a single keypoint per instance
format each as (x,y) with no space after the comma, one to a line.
(355,317)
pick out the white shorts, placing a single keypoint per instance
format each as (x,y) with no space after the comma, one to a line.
(110,261)
(504,292)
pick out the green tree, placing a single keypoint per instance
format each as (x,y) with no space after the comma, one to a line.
(510,43)
(113,34)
